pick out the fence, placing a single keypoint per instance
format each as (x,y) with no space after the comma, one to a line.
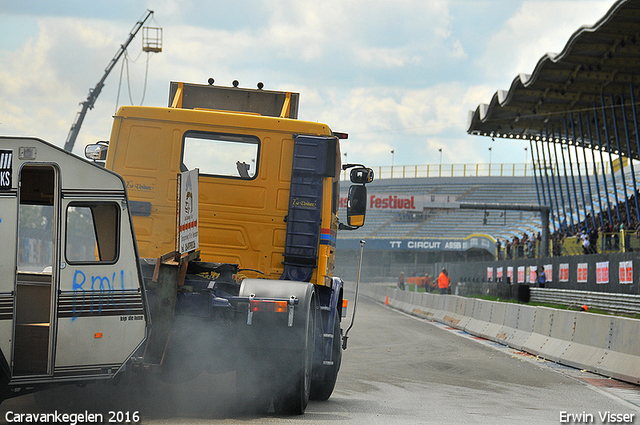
(473,170)
(613,273)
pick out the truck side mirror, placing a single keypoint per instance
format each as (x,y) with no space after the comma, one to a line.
(356,205)
(96,151)
(361,175)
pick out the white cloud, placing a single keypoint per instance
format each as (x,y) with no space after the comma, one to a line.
(390,73)
(539,27)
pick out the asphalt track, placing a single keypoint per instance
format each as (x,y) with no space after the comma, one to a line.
(397,369)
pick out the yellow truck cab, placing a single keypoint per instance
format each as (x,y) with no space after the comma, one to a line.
(247,197)
(268,196)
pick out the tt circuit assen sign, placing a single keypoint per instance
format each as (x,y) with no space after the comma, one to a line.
(409,244)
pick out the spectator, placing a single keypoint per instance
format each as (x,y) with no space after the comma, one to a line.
(616,235)
(585,242)
(521,246)
(607,230)
(593,241)
(557,246)
(444,282)
(542,277)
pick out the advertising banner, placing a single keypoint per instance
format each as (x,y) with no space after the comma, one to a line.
(602,272)
(583,272)
(521,274)
(405,202)
(626,272)
(548,273)
(188,238)
(533,274)
(563,271)
(420,244)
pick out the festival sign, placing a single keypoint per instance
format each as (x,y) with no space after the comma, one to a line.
(405,202)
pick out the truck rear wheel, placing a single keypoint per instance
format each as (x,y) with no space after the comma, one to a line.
(293,393)
(322,387)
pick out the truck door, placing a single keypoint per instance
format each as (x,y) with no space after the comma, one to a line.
(36,272)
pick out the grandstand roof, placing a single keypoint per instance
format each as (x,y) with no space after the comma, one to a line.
(598,67)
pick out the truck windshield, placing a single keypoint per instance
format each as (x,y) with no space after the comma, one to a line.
(221,154)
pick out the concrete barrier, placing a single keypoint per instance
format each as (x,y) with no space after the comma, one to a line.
(518,325)
(622,356)
(480,317)
(607,345)
(591,341)
(560,335)
(445,309)
(458,315)
(539,335)
(496,321)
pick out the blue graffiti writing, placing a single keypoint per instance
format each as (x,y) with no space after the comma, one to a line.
(102,293)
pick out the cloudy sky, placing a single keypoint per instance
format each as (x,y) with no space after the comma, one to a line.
(397,75)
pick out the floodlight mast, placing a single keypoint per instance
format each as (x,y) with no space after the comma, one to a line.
(95,92)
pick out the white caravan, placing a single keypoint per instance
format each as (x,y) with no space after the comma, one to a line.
(72,304)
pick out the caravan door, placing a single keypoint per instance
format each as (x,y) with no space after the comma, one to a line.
(36,277)
(101,317)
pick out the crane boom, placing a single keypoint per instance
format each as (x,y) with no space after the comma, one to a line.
(95,92)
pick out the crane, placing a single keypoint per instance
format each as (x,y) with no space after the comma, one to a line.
(95,92)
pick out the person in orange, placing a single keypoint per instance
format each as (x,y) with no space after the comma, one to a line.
(444,282)
(428,284)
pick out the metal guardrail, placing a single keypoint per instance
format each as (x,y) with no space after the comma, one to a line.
(613,303)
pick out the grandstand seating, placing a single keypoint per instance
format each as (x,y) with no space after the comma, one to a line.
(460,223)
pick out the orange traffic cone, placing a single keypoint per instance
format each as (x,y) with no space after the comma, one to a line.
(386,300)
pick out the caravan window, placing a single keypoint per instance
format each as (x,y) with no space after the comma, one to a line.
(224,155)
(92,233)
